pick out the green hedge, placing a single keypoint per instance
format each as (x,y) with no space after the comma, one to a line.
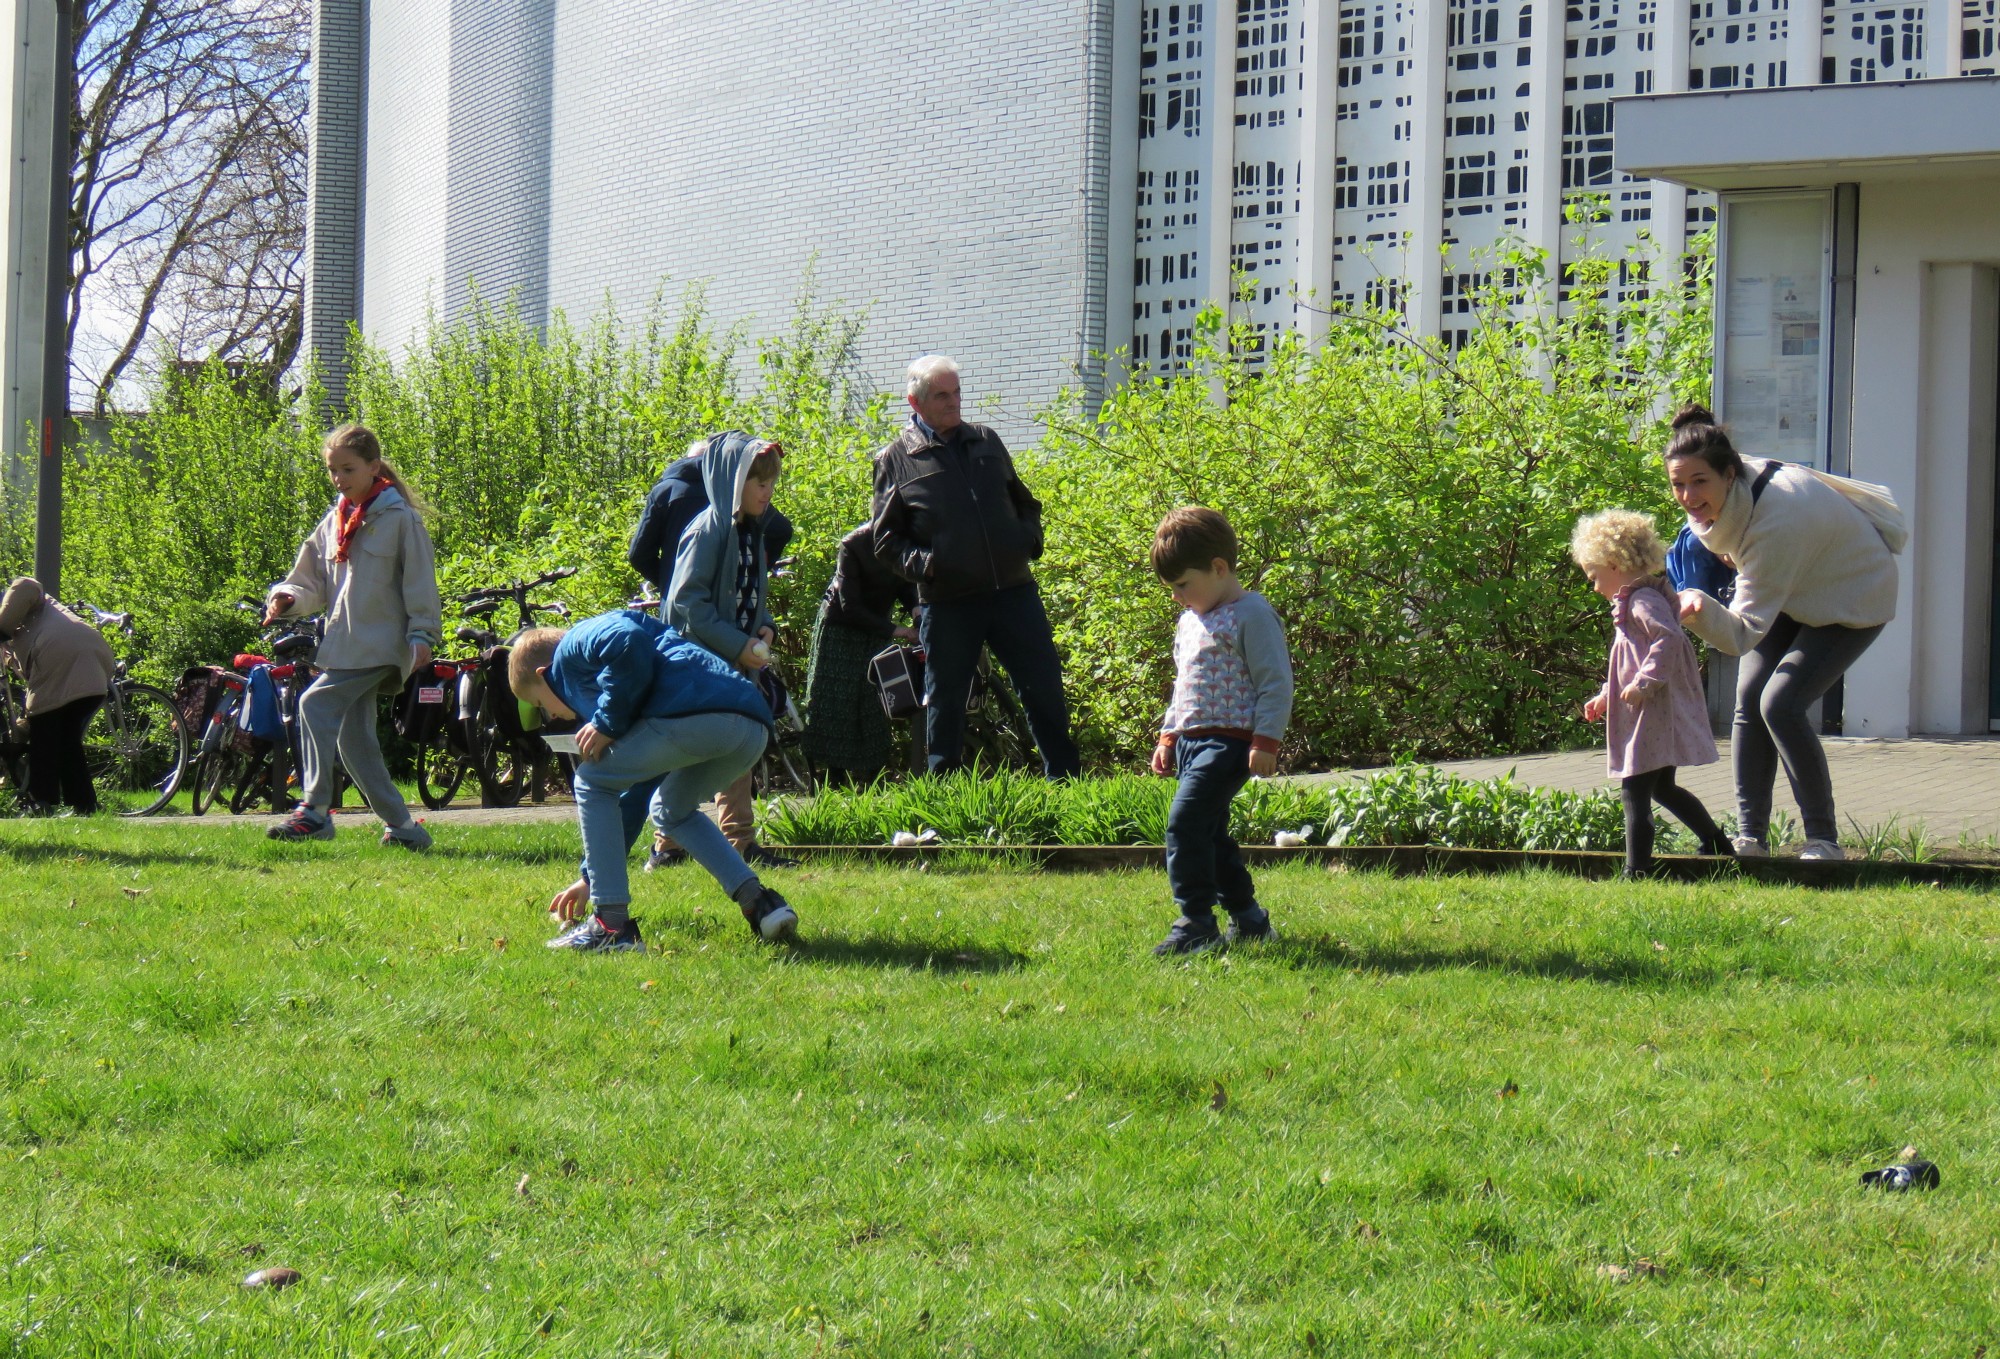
(1406,506)
(1407,805)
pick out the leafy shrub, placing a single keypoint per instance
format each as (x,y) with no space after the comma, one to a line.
(1405,505)
(1408,805)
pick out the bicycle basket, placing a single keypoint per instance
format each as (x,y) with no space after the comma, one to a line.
(897,673)
(199,690)
(425,702)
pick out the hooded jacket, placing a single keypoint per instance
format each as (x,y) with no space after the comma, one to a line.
(701,601)
(676,498)
(951,514)
(62,658)
(381,600)
(1801,549)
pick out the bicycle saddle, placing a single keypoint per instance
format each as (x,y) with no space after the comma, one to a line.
(485,608)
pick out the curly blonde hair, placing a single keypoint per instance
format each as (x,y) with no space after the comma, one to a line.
(1623,540)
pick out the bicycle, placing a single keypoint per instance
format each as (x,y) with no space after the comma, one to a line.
(136,746)
(510,760)
(269,764)
(427,716)
(996,728)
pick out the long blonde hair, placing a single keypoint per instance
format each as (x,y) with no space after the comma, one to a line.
(366,445)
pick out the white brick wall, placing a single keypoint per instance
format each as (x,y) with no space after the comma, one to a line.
(930,155)
(403,192)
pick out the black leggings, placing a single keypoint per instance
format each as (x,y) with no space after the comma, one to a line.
(1640,792)
(1791,669)
(56,769)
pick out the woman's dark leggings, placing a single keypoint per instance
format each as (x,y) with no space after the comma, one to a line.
(1791,669)
(56,769)
(1640,792)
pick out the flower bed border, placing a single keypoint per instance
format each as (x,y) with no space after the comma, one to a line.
(1417,860)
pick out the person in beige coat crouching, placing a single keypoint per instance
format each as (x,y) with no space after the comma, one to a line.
(68,668)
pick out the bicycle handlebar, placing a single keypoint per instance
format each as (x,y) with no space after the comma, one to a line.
(519,587)
(104,618)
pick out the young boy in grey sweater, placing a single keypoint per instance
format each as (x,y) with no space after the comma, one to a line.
(1232,701)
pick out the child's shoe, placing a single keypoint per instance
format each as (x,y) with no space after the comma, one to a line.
(412,836)
(769,916)
(1190,936)
(665,854)
(303,824)
(1749,847)
(758,856)
(592,935)
(1251,926)
(1822,851)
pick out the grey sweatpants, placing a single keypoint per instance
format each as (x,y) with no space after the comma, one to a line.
(1791,669)
(339,716)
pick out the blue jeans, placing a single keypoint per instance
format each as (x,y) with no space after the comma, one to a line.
(696,755)
(1204,864)
(1013,623)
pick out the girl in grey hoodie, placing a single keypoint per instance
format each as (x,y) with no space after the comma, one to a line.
(369,567)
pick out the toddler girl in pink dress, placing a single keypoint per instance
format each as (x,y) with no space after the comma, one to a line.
(1652,704)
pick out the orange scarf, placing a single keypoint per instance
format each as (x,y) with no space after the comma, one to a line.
(348,517)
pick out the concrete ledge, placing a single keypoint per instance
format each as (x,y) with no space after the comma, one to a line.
(1416,860)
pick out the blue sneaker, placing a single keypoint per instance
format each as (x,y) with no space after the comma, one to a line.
(592,935)
(1250,927)
(1189,936)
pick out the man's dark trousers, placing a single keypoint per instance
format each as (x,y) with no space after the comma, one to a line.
(1014,625)
(1204,864)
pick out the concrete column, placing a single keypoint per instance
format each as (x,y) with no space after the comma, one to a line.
(1320,27)
(1220,192)
(1545,115)
(334,194)
(1671,35)
(30,30)
(1944,27)
(1802,42)
(1951,540)
(1121,217)
(1421,267)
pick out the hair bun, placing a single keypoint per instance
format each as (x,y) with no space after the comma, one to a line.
(1694,413)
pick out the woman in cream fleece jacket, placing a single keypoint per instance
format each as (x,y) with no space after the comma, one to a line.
(1815,585)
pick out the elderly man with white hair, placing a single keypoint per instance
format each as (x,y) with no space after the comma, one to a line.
(952,515)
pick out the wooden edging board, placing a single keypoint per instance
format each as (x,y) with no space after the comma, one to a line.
(1408,860)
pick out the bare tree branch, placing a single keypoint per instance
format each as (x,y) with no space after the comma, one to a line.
(188,211)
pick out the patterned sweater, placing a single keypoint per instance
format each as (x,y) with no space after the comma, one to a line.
(1232,673)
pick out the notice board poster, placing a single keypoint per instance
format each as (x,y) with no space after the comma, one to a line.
(1776,266)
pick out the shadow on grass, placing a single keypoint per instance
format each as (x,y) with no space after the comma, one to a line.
(912,955)
(43,851)
(1548,965)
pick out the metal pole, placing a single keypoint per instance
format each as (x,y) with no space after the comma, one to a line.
(55,344)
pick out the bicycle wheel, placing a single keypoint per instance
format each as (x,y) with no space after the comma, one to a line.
(211,779)
(136,749)
(441,768)
(253,781)
(503,775)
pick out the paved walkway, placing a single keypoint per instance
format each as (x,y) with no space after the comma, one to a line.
(1949,786)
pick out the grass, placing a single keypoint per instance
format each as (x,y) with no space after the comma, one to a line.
(973,1115)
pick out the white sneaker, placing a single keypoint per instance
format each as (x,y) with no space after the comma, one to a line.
(1749,847)
(1822,850)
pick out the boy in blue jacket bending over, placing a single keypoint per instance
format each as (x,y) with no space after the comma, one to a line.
(654,705)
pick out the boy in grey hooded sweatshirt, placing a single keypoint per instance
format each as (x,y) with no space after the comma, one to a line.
(718,596)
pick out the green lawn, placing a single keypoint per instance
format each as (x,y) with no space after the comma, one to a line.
(973,1115)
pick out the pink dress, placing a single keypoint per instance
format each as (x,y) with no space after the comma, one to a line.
(1650,649)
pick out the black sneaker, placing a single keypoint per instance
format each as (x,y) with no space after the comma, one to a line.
(770,918)
(760,857)
(1189,936)
(1250,927)
(591,935)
